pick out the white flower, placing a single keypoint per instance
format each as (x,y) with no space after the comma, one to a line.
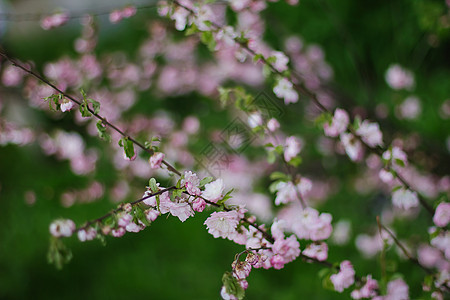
(353,146)
(293,146)
(181,210)
(398,78)
(213,190)
(405,198)
(338,124)
(370,133)
(223,224)
(284,90)
(281,61)
(62,227)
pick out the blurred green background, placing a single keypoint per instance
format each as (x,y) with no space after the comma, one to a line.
(173,260)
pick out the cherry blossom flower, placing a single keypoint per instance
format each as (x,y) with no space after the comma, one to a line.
(191,182)
(409,109)
(293,146)
(399,78)
(118,232)
(87,234)
(345,277)
(281,61)
(397,290)
(442,215)
(151,214)
(55,20)
(386,176)
(225,295)
(123,219)
(284,90)
(277,262)
(396,155)
(405,198)
(241,269)
(62,227)
(181,210)
(369,290)
(273,125)
(338,124)
(288,248)
(318,251)
(286,192)
(156,160)
(222,224)
(352,145)
(213,190)
(198,204)
(370,133)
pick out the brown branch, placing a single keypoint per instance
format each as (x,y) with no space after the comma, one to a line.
(78,102)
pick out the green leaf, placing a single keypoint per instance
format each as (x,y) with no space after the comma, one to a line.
(295,161)
(153,186)
(101,129)
(128,147)
(257,57)
(273,186)
(58,254)
(84,108)
(400,162)
(232,286)
(193,29)
(278,175)
(271,157)
(206,180)
(327,284)
(53,101)
(95,105)
(226,197)
(207,38)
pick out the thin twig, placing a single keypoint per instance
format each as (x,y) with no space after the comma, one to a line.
(78,102)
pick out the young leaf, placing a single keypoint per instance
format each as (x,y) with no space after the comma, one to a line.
(101,129)
(58,254)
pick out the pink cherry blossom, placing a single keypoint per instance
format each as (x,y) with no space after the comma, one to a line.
(62,228)
(397,290)
(273,125)
(338,124)
(369,290)
(345,277)
(118,232)
(442,215)
(286,192)
(156,160)
(55,20)
(151,214)
(405,198)
(352,145)
(395,155)
(399,78)
(281,61)
(386,176)
(191,182)
(370,133)
(318,251)
(181,210)
(222,224)
(288,248)
(87,234)
(198,204)
(241,269)
(293,146)
(277,262)
(213,190)
(284,89)
(123,219)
